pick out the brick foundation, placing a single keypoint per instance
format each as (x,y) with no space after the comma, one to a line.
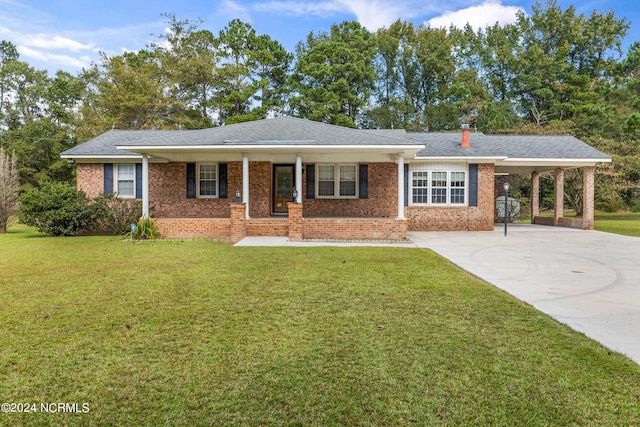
(295,221)
(186,228)
(238,226)
(268,227)
(354,228)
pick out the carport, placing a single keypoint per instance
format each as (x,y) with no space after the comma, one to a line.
(558,167)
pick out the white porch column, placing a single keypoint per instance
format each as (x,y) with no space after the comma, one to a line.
(298,178)
(145,186)
(245,183)
(400,186)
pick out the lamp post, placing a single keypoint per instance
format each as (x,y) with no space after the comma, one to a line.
(506,206)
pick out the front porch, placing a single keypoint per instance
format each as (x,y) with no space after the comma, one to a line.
(295,227)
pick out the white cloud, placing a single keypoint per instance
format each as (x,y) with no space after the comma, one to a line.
(297,8)
(52,58)
(486,14)
(372,14)
(48,41)
(233,10)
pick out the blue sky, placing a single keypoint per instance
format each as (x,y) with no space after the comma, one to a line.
(68,35)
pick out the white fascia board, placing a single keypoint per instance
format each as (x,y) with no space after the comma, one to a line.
(111,159)
(110,156)
(249,147)
(521,161)
(488,159)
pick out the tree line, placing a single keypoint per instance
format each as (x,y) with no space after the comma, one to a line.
(551,71)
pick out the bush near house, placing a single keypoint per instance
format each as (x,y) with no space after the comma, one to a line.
(56,208)
(115,214)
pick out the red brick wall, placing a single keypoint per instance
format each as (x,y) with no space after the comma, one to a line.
(354,228)
(168,193)
(259,189)
(185,228)
(458,218)
(90,178)
(268,227)
(382,201)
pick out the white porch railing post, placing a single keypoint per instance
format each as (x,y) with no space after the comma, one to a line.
(245,182)
(401,186)
(145,186)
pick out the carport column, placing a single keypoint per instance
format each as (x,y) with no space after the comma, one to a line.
(558,195)
(588,196)
(400,186)
(535,196)
(245,183)
(145,186)
(299,178)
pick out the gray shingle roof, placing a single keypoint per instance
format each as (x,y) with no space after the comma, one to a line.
(105,144)
(447,144)
(293,131)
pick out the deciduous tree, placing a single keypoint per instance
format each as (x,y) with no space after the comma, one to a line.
(9,184)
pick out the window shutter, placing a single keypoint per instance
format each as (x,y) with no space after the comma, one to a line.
(310,171)
(138,180)
(108,178)
(222,178)
(473,185)
(406,184)
(363,178)
(191,180)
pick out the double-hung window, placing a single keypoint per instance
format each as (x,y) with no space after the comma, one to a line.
(457,185)
(439,185)
(439,188)
(337,181)
(420,184)
(207,182)
(125,180)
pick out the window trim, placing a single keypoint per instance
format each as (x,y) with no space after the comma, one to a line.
(116,181)
(200,196)
(430,170)
(336,180)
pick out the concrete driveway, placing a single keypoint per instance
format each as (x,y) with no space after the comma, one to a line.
(587,279)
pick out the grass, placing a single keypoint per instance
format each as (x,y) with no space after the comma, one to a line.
(199,332)
(627,223)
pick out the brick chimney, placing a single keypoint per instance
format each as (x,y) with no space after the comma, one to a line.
(465,136)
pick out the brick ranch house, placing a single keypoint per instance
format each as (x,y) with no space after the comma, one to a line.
(309,180)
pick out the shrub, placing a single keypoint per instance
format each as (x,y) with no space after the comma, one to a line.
(145,230)
(116,214)
(610,207)
(56,208)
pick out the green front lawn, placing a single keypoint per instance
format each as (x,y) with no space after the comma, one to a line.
(627,223)
(203,333)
